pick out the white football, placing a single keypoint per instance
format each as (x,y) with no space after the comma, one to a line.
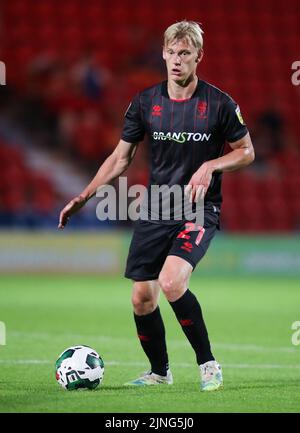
(79,367)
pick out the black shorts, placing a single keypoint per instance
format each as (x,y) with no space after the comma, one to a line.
(153,242)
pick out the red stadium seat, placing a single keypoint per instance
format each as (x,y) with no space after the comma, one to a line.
(249,49)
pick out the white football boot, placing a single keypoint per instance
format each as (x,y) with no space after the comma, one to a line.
(211,376)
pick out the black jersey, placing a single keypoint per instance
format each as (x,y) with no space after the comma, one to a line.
(183,134)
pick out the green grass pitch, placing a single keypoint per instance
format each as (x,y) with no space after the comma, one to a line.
(249,322)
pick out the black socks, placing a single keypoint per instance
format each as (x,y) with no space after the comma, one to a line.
(151,332)
(188,312)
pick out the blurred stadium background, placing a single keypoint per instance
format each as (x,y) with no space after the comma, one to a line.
(72,68)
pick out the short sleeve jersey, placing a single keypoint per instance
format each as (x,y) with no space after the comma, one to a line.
(183,134)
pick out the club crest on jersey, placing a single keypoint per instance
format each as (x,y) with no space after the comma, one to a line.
(156,110)
(239,115)
(202,107)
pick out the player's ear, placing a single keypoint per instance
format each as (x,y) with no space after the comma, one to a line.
(200,56)
(164,53)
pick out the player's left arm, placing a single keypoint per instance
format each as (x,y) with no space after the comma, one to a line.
(241,155)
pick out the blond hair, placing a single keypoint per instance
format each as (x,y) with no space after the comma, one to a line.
(189,30)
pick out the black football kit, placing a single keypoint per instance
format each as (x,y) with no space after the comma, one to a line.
(182,135)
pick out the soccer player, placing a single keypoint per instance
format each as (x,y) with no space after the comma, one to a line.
(187,121)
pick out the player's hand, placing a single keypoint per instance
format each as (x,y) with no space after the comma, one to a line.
(72,207)
(199,183)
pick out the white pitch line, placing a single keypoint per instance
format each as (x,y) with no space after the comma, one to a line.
(253,347)
(143,364)
(105,338)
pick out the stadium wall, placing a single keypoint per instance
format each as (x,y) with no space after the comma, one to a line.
(105,253)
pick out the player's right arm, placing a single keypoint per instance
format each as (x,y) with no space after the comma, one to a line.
(111,169)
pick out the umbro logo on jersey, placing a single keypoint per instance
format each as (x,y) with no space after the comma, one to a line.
(156,110)
(181,137)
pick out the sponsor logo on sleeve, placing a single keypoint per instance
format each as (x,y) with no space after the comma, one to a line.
(239,115)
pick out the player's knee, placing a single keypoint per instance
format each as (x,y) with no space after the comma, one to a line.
(143,303)
(172,287)
(142,306)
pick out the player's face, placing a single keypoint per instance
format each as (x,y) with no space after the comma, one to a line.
(181,59)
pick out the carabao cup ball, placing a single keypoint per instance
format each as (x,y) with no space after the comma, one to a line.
(79,367)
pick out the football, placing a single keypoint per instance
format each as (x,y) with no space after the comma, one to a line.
(79,367)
